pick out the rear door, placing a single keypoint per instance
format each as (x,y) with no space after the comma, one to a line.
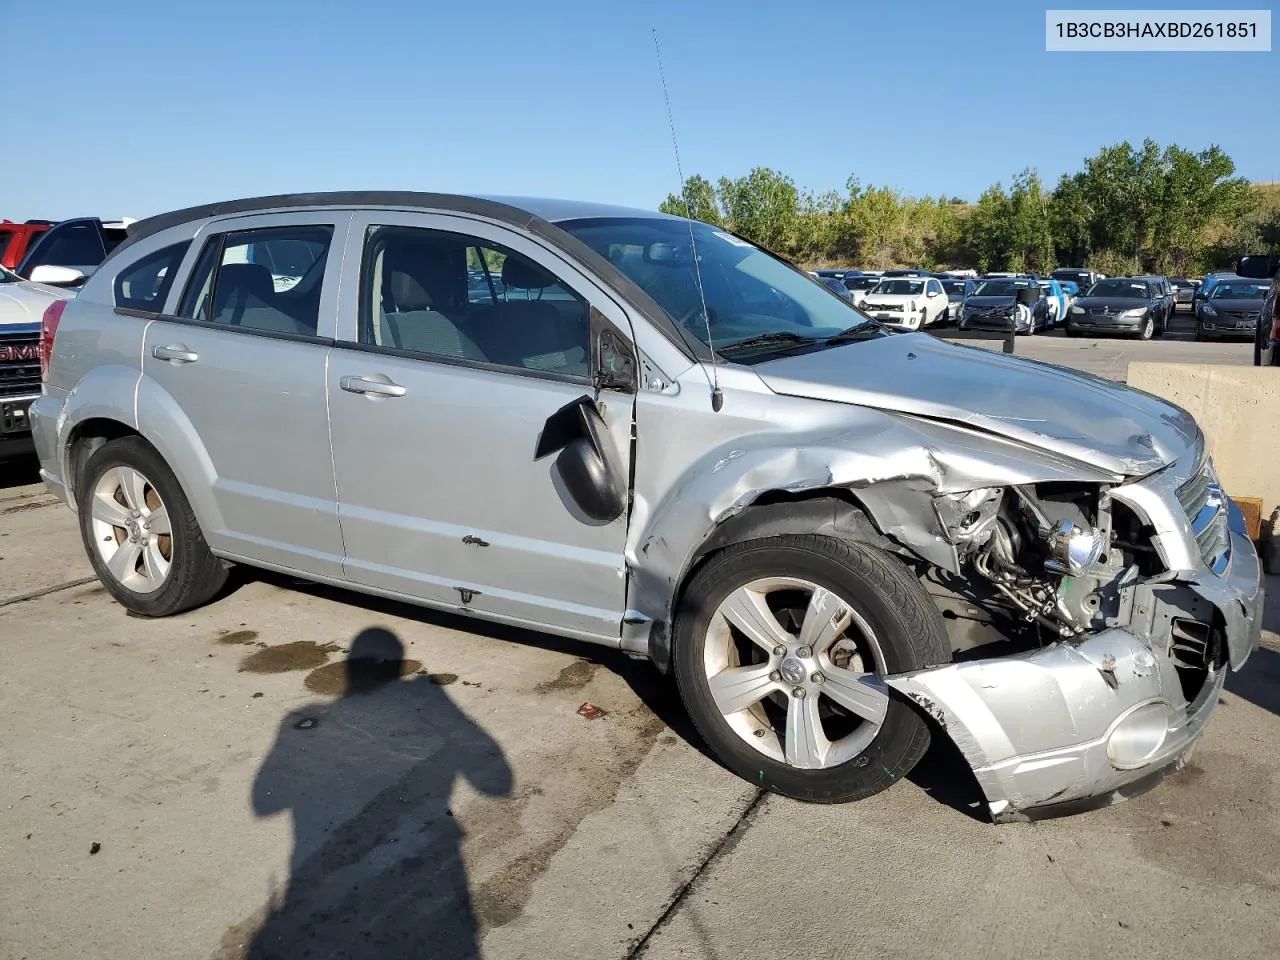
(243,363)
(459,342)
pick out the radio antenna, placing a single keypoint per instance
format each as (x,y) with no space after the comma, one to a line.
(717,398)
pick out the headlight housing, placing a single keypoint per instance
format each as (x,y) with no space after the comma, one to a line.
(1207,310)
(1135,312)
(1077,309)
(1073,550)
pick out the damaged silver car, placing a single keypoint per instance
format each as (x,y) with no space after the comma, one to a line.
(651,434)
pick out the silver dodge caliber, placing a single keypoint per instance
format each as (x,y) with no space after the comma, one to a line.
(649,433)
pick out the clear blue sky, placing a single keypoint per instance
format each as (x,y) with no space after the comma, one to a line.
(134,107)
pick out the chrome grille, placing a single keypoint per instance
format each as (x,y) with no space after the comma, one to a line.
(1205,505)
(19,365)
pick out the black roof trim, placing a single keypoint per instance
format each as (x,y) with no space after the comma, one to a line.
(443,202)
(340,198)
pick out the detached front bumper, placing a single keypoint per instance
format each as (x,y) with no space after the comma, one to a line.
(1086,722)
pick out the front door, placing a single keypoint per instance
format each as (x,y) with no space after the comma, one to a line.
(244,360)
(463,339)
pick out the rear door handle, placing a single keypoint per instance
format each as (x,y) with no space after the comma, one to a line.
(175,353)
(368,385)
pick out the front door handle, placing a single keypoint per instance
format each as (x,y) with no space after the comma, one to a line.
(175,353)
(372,387)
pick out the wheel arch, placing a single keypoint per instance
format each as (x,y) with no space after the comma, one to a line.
(833,511)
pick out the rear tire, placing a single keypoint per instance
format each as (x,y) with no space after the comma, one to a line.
(140,533)
(864,608)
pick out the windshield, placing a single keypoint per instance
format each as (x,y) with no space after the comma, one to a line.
(1240,291)
(749,293)
(1077,275)
(7,277)
(953,286)
(998,288)
(861,283)
(899,288)
(1123,289)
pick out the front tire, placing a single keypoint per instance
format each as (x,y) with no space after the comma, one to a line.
(140,533)
(781,645)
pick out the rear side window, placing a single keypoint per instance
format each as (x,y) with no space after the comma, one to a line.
(145,284)
(267,280)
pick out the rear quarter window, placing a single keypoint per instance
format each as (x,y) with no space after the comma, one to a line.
(145,285)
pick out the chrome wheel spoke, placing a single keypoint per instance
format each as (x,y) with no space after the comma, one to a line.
(746,609)
(124,561)
(825,619)
(863,695)
(154,566)
(106,509)
(737,688)
(158,521)
(134,487)
(806,744)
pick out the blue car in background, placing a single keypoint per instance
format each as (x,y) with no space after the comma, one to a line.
(1052,291)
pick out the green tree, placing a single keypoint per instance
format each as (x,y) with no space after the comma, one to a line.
(763,206)
(697,200)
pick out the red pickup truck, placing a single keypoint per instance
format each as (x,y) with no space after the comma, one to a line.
(16,239)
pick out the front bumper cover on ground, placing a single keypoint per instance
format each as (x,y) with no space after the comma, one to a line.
(1036,727)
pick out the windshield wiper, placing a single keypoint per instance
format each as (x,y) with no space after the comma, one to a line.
(859,331)
(764,339)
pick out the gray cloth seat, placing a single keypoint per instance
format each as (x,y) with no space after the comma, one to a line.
(533,334)
(428,331)
(245,296)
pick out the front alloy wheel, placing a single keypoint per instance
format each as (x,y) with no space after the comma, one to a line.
(1148,328)
(781,649)
(794,672)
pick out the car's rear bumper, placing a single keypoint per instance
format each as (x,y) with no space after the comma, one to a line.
(1043,730)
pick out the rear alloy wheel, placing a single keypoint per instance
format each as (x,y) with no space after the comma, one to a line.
(140,533)
(782,645)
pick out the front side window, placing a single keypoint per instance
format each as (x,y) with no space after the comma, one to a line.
(267,280)
(455,297)
(145,284)
(756,304)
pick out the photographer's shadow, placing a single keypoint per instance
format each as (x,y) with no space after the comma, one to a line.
(377,868)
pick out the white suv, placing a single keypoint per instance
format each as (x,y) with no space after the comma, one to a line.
(911,303)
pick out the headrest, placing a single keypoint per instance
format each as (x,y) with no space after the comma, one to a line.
(524,275)
(252,279)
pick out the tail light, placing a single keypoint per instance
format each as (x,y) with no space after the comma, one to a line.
(1275,316)
(48,330)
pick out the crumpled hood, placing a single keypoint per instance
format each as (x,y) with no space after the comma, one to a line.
(1099,422)
(24,303)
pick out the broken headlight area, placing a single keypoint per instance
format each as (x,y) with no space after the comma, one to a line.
(1050,562)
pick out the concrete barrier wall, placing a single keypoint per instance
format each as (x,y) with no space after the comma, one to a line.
(1238,408)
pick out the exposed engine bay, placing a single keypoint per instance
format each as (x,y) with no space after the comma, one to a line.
(1057,558)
